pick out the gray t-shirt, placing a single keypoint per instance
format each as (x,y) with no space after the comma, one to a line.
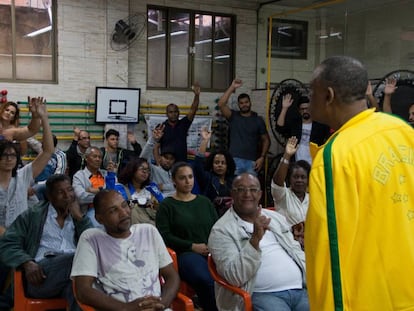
(245,133)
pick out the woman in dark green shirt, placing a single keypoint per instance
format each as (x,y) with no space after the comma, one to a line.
(184,221)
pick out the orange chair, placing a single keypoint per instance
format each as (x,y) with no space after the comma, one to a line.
(180,303)
(184,287)
(222,282)
(23,303)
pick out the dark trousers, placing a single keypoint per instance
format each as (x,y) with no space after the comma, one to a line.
(193,269)
(57,283)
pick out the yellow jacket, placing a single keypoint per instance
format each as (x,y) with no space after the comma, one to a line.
(373,200)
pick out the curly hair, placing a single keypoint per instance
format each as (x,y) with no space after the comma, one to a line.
(128,172)
(231,166)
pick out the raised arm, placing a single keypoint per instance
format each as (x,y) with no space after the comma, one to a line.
(42,158)
(196,102)
(23,133)
(390,87)
(133,141)
(222,103)
(205,139)
(148,149)
(280,174)
(287,101)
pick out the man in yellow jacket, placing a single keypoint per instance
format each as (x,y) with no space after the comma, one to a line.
(360,224)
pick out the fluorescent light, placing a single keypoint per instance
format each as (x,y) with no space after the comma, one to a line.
(215,41)
(176,33)
(40,31)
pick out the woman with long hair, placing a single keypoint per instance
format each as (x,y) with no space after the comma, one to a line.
(135,186)
(10,118)
(184,221)
(215,174)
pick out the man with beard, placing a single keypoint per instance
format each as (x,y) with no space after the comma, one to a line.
(302,127)
(118,268)
(247,132)
(175,133)
(42,242)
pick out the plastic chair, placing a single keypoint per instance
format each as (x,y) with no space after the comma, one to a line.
(184,287)
(222,282)
(23,303)
(180,303)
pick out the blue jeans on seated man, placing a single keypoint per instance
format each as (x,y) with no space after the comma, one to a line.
(244,166)
(193,269)
(285,300)
(57,283)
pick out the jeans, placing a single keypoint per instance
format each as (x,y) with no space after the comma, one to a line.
(244,166)
(193,269)
(285,300)
(57,283)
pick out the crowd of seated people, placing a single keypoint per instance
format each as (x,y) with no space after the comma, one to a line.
(131,203)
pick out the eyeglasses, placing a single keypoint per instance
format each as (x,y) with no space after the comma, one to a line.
(245,190)
(5,156)
(85,138)
(144,169)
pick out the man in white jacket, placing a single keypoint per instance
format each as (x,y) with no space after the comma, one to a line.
(254,249)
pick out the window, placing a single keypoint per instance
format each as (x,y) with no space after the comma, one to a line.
(187,46)
(27,51)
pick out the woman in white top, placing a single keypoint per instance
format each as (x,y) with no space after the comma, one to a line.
(292,201)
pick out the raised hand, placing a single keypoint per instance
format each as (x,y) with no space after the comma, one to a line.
(158,132)
(287,100)
(205,133)
(37,106)
(390,86)
(196,88)
(291,146)
(236,83)
(131,137)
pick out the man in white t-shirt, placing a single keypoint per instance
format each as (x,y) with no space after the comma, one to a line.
(254,249)
(119,268)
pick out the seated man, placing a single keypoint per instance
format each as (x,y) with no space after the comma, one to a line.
(91,180)
(254,249)
(41,241)
(75,154)
(113,154)
(119,268)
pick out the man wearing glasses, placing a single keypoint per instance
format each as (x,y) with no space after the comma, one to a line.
(75,154)
(254,249)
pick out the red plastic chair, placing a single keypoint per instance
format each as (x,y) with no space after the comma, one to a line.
(222,282)
(184,287)
(23,303)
